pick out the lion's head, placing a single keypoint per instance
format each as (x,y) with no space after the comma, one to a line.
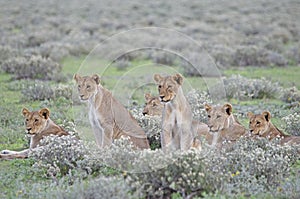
(259,124)
(219,117)
(168,86)
(87,86)
(36,121)
(153,105)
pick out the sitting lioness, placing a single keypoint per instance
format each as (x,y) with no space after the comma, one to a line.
(38,125)
(109,118)
(224,127)
(261,126)
(177,132)
(154,107)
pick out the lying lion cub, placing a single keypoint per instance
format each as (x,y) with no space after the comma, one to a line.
(261,125)
(177,132)
(38,125)
(224,127)
(154,107)
(109,118)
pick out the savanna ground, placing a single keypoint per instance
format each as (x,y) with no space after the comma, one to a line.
(245,53)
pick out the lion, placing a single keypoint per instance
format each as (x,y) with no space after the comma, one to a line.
(154,107)
(260,125)
(224,127)
(177,131)
(109,119)
(38,125)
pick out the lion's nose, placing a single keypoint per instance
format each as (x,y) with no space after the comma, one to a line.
(81,96)
(28,130)
(161,97)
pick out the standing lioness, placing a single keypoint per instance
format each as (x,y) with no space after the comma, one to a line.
(38,125)
(177,132)
(109,118)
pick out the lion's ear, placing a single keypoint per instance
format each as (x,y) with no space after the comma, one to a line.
(96,78)
(77,77)
(250,115)
(25,112)
(44,112)
(178,78)
(267,115)
(157,78)
(147,96)
(207,107)
(228,108)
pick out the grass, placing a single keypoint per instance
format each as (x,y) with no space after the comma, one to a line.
(287,76)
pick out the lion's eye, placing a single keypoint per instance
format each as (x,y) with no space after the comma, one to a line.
(36,120)
(169,86)
(79,86)
(257,122)
(208,116)
(159,86)
(250,122)
(218,116)
(88,86)
(153,104)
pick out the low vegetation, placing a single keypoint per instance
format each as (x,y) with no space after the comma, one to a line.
(249,50)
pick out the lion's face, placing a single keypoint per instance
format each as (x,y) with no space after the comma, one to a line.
(153,106)
(35,121)
(259,123)
(87,86)
(218,116)
(168,86)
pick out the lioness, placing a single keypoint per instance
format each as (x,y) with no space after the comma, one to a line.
(261,125)
(224,127)
(38,125)
(177,132)
(154,107)
(109,118)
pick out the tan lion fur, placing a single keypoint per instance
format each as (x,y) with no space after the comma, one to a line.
(177,132)
(38,125)
(224,127)
(260,125)
(109,118)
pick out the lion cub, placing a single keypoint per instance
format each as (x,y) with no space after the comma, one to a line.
(261,126)
(224,127)
(38,125)
(109,118)
(177,132)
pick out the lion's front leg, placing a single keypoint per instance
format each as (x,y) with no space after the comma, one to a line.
(186,136)
(166,137)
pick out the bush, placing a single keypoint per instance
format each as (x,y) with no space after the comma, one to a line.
(292,123)
(242,88)
(197,99)
(150,124)
(39,90)
(58,155)
(291,95)
(34,67)
(257,166)
(254,56)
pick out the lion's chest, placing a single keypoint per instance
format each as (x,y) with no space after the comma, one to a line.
(94,117)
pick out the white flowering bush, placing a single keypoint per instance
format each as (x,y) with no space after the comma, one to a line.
(197,99)
(257,166)
(150,124)
(292,123)
(58,155)
(242,88)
